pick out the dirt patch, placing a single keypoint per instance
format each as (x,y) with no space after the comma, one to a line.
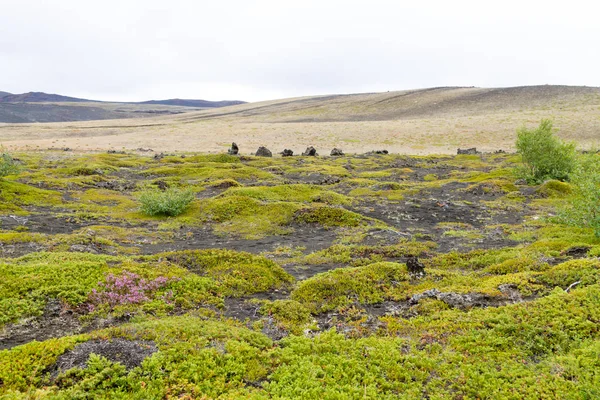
(42,222)
(311,238)
(130,353)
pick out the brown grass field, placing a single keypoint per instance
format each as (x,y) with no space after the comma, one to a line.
(426,121)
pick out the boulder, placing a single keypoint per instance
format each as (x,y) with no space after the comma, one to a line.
(310,151)
(287,153)
(378,152)
(263,152)
(234,150)
(471,151)
(336,152)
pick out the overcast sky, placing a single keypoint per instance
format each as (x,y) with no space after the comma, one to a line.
(258,50)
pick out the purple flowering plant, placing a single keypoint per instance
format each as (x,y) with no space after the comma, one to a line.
(125,289)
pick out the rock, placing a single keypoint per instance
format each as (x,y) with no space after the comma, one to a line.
(116,152)
(234,150)
(287,153)
(336,152)
(80,248)
(471,151)
(130,353)
(263,152)
(377,152)
(159,156)
(143,150)
(310,151)
(500,152)
(415,266)
(162,185)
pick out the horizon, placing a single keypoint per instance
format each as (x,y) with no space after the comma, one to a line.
(281,98)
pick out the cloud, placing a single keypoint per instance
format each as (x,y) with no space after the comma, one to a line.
(257,50)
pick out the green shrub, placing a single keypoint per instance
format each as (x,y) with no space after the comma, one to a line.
(584,207)
(544,156)
(171,202)
(8,166)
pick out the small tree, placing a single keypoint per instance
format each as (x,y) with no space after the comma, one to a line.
(8,166)
(583,209)
(544,155)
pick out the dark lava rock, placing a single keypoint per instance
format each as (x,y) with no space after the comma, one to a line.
(143,150)
(336,152)
(415,266)
(234,150)
(287,153)
(130,353)
(378,152)
(310,151)
(577,251)
(263,152)
(162,185)
(159,156)
(471,151)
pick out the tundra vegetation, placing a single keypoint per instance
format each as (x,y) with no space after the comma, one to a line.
(127,276)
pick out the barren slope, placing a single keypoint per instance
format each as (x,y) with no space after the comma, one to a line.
(435,120)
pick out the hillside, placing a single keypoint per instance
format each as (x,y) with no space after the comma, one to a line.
(435,120)
(44,107)
(195,103)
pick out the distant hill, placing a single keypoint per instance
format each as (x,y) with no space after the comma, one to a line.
(39,97)
(44,107)
(195,103)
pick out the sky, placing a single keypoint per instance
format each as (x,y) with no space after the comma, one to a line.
(257,50)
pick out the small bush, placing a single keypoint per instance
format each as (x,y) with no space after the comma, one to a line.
(583,209)
(544,156)
(8,166)
(171,202)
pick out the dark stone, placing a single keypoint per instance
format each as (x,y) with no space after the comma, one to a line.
(415,266)
(577,251)
(143,150)
(234,150)
(378,152)
(336,152)
(310,151)
(159,156)
(162,185)
(263,152)
(500,152)
(130,353)
(471,151)
(287,153)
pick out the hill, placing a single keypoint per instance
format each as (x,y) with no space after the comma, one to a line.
(195,103)
(39,97)
(44,107)
(434,120)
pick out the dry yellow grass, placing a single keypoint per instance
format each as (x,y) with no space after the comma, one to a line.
(418,122)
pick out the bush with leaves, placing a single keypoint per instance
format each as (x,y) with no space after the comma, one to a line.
(583,209)
(8,166)
(171,202)
(544,155)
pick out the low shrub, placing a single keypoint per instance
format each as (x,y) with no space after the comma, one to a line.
(8,166)
(171,202)
(544,156)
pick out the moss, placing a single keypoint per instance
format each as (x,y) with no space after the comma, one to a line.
(237,273)
(329,217)
(291,193)
(289,314)
(14,196)
(369,284)
(554,188)
(430,177)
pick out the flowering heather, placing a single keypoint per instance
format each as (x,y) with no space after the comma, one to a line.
(128,288)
